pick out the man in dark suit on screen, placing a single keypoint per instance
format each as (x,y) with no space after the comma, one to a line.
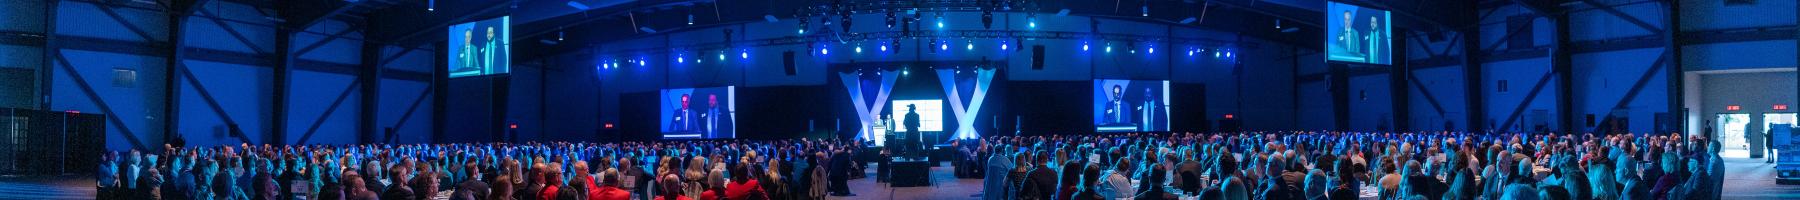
(912,129)
(683,118)
(712,116)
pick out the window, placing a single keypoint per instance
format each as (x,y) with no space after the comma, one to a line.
(125,78)
(1502,86)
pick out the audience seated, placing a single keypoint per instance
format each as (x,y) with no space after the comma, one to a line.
(1241,165)
(1341,165)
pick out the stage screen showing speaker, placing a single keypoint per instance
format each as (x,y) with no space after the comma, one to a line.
(699,113)
(1131,105)
(931,114)
(480,48)
(1357,34)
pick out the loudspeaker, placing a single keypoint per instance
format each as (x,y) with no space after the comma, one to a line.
(1037,57)
(787,62)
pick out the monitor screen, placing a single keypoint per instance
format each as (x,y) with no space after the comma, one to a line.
(931,114)
(699,113)
(1131,105)
(1357,34)
(480,48)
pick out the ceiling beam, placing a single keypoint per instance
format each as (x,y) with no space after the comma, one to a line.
(406,40)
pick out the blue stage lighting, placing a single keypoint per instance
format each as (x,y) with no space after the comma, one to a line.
(744,54)
(858,49)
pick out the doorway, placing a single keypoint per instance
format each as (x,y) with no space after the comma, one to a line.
(1774,119)
(1732,128)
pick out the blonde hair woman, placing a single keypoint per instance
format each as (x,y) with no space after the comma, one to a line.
(695,177)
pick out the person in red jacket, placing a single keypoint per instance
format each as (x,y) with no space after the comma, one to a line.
(609,187)
(553,181)
(670,188)
(715,186)
(742,186)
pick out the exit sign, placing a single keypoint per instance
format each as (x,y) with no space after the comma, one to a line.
(1733,108)
(1779,107)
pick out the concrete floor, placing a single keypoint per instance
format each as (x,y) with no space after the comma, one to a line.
(944,185)
(42,188)
(1747,178)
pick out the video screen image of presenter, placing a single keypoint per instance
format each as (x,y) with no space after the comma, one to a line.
(480,48)
(1357,34)
(1131,105)
(699,113)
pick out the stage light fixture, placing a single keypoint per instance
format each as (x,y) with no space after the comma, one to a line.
(744,54)
(891,19)
(884,48)
(1031,20)
(1152,49)
(987,18)
(945,46)
(802,25)
(679,59)
(1109,48)
(1084,47)
(971,45)
(858,49)
(1003,46)
(844,21)
(940,19)
(933,43)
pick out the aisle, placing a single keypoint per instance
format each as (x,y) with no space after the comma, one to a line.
(944,186)
(1752,179)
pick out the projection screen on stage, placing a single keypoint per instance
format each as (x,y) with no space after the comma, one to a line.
(699,113)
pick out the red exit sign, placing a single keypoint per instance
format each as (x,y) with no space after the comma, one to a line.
(1733,108)
(1779,107)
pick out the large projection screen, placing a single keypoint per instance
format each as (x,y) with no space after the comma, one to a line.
(1131,105)
(699,113)
(1357,34)
(480,48)
(931,114)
